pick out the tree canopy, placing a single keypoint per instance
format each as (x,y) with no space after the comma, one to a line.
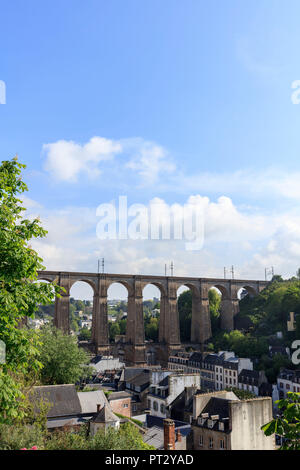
(288,424)
(63,362)
(20,294)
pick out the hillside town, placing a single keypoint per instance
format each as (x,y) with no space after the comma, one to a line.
(199,402)
(149,230)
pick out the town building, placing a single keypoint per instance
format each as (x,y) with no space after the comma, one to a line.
(102,364)
(223,422)
(166,434)
(103,419)
(288,381)
(120,403)
(135,381)
(65,406)
(217,370)
(165,386)
(253,381)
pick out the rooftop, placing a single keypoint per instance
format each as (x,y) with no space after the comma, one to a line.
(63,399)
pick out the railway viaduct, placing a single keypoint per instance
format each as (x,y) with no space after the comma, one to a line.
(169,333)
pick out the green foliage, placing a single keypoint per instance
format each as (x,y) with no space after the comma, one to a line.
(18,437)
(62,360)
(270,310)
(85,334)
(185,315)
(151,328)
(185,312)
(114,330)
(136,421)
(214,307)
(241,394)
(288,425)
(272,366)
(127,437)
(20,294)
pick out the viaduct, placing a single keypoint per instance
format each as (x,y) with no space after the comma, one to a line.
(169,333)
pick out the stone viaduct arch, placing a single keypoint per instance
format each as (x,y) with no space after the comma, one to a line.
(169,334)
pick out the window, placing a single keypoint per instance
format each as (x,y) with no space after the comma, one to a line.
(222,444)
(162,408)
(155,406)
(134,408)
(125,405)
(200,441)
(211,443)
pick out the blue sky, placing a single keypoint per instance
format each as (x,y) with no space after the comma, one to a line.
(184,98)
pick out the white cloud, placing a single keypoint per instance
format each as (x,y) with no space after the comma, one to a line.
(72,243)
(149,161)
(145,164)
(65,160)
(254,184)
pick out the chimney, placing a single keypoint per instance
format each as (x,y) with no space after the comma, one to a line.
(178,435)
(169,434)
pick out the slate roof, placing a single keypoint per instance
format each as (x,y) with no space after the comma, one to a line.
(154,437)
(249,376)
(217,406)
(231,364)
(143,378)
(293,375)
(62,422)
(130,372)
(105,415)
(118,396)
(212,359)
(164,382)
(90,400)
(95,359)
(196,357)
(155,433)
(63,399)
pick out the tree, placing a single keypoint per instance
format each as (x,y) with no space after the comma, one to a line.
(20,294)
(127,437)
(151,329)
(277,278)
(63,362)
(85,334)
(185,315)
(114,330)
(214,307)
(288,425)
